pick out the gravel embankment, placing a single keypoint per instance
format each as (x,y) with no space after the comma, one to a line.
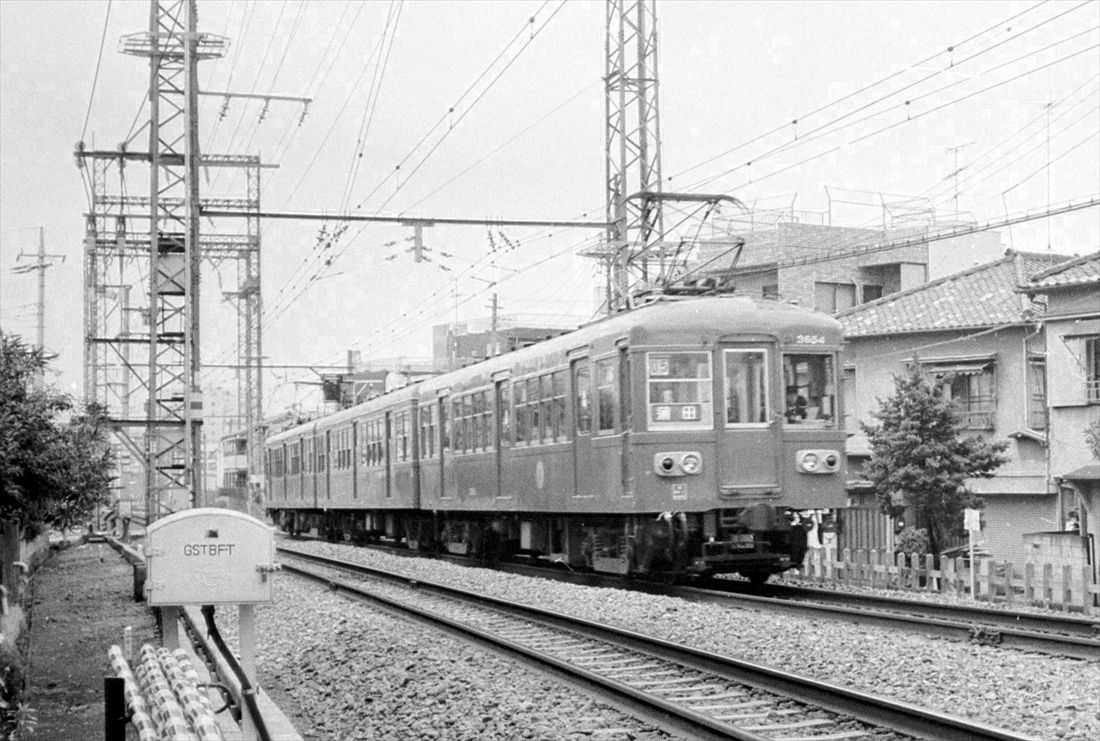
(341,669)
(1032,694)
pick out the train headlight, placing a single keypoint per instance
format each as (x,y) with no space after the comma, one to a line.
(809,462)
(817,461)
(678,463)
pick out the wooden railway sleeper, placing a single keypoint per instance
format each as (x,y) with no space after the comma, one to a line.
(985,636)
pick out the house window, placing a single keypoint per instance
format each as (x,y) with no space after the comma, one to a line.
(1037,393)
(1092,370)
(970,386)
(834,297)
(870,292)
(771,290)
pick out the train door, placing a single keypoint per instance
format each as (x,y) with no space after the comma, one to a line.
(747,442)
(581,376)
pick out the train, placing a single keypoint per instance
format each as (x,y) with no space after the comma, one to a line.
(683,437)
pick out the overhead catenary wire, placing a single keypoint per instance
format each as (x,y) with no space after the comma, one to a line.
(484,73)
(98,63)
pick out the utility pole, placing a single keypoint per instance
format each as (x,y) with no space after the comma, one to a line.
(41,263)
(954,151)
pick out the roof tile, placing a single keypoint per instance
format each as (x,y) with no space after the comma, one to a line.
(982,296)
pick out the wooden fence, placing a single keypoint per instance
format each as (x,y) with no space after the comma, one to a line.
(1062,588)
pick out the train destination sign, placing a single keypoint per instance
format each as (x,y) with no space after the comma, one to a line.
(209,556)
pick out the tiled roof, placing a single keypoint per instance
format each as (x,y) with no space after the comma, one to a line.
(1079,271)
(983,296)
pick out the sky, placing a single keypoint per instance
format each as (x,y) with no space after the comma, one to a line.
(495,110)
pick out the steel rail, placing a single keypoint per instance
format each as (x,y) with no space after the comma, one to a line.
(645,707)
(882,712)
(1054,635)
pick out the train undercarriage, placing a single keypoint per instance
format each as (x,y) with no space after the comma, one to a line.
(755,542)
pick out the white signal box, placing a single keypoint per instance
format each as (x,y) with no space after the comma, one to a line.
(209,556)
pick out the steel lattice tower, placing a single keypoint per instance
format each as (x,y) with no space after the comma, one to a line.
(632,143)
(141,270)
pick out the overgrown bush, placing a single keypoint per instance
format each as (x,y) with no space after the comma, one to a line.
(912,540)
(14,716)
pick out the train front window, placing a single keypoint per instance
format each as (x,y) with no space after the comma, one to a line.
(678,391)
(746,387)
(809,382)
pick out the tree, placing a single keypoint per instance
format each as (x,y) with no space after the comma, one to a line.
(1092,439)
(55,466)
(920,460)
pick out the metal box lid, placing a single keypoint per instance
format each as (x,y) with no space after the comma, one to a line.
(209,556)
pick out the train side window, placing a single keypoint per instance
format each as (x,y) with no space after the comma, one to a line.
(557,406)
(504,412)
(746,387)
(533,398)
(459,440)
(624,390)
(678,391)
(545,414)
(428,416)
(488,437)
(582,397)
(809,381)
(607,396)
(469,434)
(445,424)
(519,395)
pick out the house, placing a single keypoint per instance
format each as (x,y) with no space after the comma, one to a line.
(974,332)
(834,268)
(1071,325)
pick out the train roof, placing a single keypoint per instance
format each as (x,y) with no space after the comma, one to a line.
(659,322)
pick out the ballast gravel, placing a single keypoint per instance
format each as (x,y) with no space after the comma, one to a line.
(341,669)
(396,680)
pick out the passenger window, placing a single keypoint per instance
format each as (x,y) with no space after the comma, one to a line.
(678,391)
(809,381)
(558,405)
(582,402)
(533,397)
(607,394)
(520,393)
(504,409)
(746,387)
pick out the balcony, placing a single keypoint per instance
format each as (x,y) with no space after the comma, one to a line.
(970,420)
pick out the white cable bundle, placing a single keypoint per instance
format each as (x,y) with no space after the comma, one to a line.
(191,673)
(139,713)
(198,714)
(171,720)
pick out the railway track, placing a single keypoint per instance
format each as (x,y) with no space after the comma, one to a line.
(672,686)
(1075,637)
